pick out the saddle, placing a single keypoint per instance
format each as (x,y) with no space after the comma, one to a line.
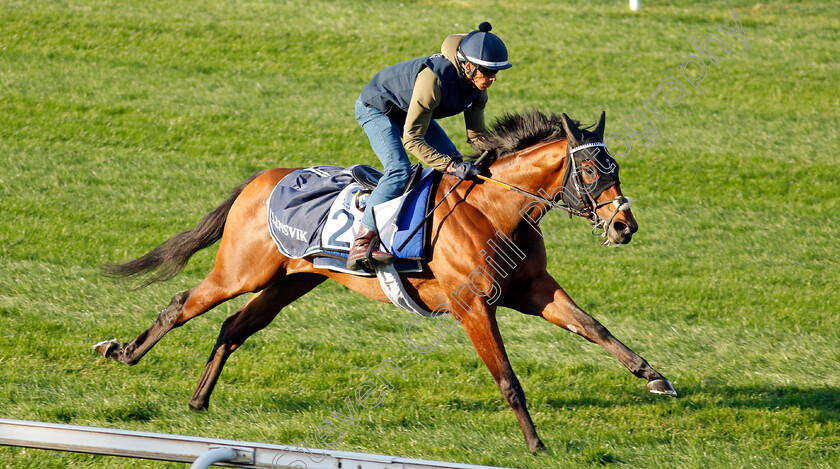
(314,212)
(368,176)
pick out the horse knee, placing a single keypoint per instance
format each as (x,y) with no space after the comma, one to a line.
(598,332)
(588,327)
(512,391)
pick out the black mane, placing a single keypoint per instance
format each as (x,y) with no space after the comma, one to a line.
(514,132)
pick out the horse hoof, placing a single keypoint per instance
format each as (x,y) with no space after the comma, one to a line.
(537,447)
(661,386)
(199,406)
(107,346)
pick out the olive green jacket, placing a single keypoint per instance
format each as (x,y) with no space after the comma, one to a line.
(425,98)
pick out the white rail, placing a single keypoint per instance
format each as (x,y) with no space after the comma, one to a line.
(188,449)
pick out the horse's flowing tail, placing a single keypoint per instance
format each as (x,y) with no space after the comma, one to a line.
(165,261)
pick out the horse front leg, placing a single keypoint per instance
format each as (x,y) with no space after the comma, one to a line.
(483,331)
(546,298)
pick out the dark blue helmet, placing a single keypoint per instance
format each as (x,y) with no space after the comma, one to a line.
(485,49)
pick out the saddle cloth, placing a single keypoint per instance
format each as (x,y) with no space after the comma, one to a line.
(316,212)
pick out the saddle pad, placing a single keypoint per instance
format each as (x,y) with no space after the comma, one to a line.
(298,205)
(395,226)
(312,212)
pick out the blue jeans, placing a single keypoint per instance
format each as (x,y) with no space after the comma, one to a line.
(385,137)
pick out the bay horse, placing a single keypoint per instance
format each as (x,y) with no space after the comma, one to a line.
(537,155)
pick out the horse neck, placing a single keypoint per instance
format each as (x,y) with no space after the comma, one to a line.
(537,169)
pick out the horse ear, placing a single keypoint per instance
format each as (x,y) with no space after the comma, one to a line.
(599,129)
(572,132)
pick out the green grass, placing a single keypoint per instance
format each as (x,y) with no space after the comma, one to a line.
(122,124)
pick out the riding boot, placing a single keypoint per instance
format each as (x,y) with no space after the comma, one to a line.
(365,252)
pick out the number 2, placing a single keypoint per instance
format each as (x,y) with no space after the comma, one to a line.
(333,241)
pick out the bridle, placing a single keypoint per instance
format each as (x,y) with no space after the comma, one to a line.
(578,199)
(607,176)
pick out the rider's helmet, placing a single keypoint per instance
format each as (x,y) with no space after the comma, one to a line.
(485,49)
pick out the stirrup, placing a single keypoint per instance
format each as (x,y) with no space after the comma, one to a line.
(378,256)
(372,255)
(360,263)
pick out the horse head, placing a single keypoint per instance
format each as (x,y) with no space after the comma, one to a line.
(590,184)
(569,167)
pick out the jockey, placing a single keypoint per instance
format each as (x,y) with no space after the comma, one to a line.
(400,104)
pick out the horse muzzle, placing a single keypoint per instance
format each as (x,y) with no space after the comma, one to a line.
(621,224)
(621,231)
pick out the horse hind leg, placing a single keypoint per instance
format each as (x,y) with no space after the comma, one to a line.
(183,307)
(245,262)
(255,315)
(133,351)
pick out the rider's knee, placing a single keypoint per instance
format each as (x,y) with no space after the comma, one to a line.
(399,174)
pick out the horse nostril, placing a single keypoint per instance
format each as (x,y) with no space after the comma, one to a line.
(621,227)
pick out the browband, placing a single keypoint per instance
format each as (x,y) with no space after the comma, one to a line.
(588,145)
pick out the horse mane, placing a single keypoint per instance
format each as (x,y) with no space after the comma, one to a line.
(513,132)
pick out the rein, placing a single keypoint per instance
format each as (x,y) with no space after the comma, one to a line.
(621,203)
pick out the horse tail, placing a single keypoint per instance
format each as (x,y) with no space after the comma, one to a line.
(168,259)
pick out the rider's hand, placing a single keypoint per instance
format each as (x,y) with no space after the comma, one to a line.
(464,170)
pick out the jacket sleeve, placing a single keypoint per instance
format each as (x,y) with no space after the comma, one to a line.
(424,99)
(474,118)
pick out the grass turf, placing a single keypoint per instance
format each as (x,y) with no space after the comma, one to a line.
(121,124)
